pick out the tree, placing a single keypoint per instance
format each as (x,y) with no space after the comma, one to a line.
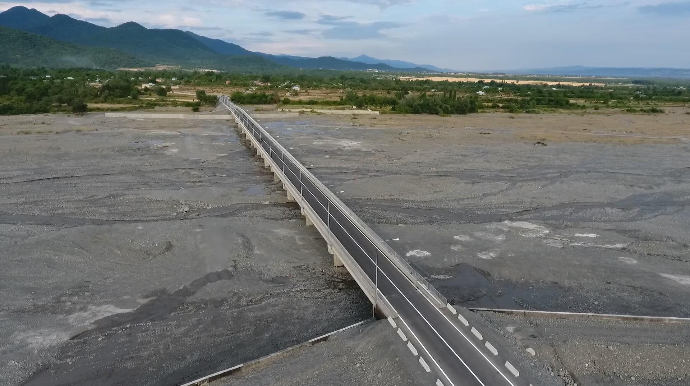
(134,94)
(160,91)
(78,106)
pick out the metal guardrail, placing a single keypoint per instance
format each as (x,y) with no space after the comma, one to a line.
(345,225)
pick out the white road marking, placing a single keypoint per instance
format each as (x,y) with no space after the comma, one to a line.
(491,348)
(411,347)
(392,322)
(423,363)
(402,335)
(439,383)
(420,344)
(512,369)
(477,334)
(439,335)
(435,331)
(463,320)
(451,309)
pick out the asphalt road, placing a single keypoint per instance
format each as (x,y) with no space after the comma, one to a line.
(458,353)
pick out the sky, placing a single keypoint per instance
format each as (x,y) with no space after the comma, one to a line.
(471,35)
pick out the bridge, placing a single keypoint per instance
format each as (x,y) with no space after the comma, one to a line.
(437,333)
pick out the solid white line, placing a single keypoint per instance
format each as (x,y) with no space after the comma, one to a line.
(427,322)
(424,364)
(432,327)
(420,343)
(512,369)
(477,334)
(491,348)
(411,347)
(475,347)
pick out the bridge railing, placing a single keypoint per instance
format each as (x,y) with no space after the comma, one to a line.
(345,225)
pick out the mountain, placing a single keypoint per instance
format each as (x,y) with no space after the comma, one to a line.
(169,46)
(220,46)
(395,63)
(22,49)
(331,63)
(22,17)
(156,46)
(617,72)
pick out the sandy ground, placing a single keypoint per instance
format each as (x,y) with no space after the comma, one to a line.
(151,253)
(554,212)
(499,80)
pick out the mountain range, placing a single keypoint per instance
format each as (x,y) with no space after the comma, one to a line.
(132,44)
(395,63)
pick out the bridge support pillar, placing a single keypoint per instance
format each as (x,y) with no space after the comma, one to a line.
(276,177)
(308,221)
(337,262)
(290,197)
(267,164)
(258,152)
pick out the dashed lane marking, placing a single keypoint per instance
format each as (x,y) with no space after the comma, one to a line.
(402,335)
(423,363)
(451,309)
(477,334)
(412,348)
(512,369)
(392,322)
(463,320)
(439,383)
(491,348)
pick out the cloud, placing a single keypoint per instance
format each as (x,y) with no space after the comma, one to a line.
(348,30)
(569,7)
(169,20)
(286,15)
(382,3)
(667,9)
(306,31)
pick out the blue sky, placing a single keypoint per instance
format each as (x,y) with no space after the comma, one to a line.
(457,34)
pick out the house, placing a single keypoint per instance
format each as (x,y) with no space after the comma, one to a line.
(295,88)
(480,93)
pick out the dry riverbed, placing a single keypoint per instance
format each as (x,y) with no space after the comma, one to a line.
(554,212)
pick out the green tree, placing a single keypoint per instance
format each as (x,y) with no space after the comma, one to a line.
(79,106)
(160,91)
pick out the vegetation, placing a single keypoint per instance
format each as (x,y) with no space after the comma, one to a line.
(21,49)
(24,91)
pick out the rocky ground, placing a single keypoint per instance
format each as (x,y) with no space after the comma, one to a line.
(151,253)
(603,352)
(369,355)
(553,212)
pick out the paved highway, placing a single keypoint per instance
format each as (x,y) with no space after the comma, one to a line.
(442,338)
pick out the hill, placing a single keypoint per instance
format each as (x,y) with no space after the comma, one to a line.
(220,46)
(22,49)
(22,18)
(170,46)
(395,63)
(331,63)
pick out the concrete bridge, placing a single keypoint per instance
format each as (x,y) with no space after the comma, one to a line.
(446,343)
